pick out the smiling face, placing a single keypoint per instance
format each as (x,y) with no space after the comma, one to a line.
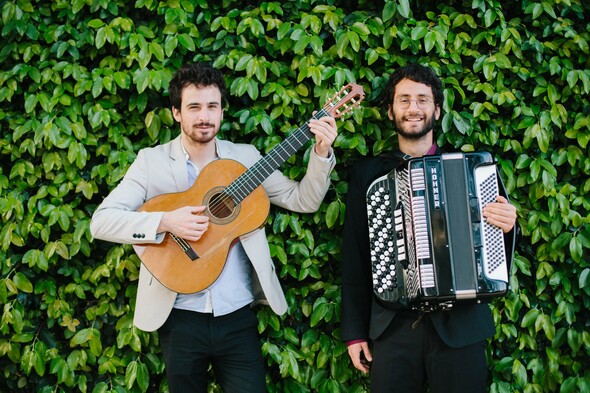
(413,122)
(200,113)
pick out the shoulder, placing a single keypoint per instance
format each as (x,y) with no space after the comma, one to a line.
(164,148)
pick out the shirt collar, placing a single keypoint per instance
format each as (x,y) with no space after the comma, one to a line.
(186,153)
(432,150)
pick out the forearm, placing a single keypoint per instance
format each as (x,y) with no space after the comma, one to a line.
(126,227)
(306,195)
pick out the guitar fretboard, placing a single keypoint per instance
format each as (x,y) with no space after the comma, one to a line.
(255,175)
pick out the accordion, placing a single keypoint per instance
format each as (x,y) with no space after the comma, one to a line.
(430,245)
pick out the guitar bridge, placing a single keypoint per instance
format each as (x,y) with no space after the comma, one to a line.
(188,250)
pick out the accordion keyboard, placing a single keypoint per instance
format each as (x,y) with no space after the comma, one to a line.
(381,236)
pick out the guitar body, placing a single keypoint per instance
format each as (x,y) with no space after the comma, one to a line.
(170,263)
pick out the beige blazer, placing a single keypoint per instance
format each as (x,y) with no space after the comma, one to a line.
(162,169)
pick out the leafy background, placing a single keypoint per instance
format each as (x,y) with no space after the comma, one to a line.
(83,88)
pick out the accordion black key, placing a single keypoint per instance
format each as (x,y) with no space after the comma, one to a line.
(430,245)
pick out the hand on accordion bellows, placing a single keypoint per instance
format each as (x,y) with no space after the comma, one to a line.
(501,214)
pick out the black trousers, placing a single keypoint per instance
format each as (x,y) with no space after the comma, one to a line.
(191,341)
(410,357)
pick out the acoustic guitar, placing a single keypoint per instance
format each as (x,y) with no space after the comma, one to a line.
(235,202)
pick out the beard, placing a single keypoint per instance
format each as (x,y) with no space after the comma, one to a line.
(198,136)
(415,134)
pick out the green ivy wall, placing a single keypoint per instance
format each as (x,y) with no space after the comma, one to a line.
(83,88)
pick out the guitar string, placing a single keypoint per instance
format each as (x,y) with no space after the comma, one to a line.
(233,190)
(244,185)
(227,198)
(238,183)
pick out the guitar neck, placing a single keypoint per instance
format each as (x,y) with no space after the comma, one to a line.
(255,175)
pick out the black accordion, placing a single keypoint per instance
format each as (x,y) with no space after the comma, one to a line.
(430,245)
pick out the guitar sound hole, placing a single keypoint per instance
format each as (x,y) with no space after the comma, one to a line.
(221,208)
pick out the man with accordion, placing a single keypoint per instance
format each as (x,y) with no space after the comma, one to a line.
(428,238)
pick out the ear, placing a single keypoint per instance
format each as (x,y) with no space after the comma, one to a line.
(176,114)
(390,113)
(437,113)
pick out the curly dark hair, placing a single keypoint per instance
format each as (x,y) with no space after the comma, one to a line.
(417,73)
(198,74)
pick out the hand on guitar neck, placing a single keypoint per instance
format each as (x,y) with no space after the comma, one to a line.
(325,133)
(186,222)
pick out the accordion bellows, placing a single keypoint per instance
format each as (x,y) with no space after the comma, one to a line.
(430,245)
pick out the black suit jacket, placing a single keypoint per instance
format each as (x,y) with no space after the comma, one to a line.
(364,318)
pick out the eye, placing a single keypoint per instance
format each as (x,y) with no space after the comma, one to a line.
(424,101)
(403,101)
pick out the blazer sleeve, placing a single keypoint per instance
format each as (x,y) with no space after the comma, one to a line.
(116,218)
(306,195)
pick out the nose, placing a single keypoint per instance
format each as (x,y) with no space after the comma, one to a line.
(203,116)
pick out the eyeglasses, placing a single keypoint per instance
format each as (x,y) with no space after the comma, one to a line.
(422,102)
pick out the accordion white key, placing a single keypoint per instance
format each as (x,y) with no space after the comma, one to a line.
(430,245)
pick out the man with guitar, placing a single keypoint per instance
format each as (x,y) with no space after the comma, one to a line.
(205,257)
(406,350)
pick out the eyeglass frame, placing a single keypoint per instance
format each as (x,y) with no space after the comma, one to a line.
(421,102)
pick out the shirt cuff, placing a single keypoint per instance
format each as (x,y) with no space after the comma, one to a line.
(349,343)
(330,157)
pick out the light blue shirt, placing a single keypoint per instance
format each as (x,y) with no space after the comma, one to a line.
(233,289)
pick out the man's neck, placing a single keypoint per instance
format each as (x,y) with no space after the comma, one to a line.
(200,153)
(415,148)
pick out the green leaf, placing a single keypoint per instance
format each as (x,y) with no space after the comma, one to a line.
(530,318)
(584,279)
(576,249)
(332,213)
(22,283)
(389,11)
(404,9)
(131,374)
(186,41)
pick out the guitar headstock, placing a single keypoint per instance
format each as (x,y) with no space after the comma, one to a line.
(348,98)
